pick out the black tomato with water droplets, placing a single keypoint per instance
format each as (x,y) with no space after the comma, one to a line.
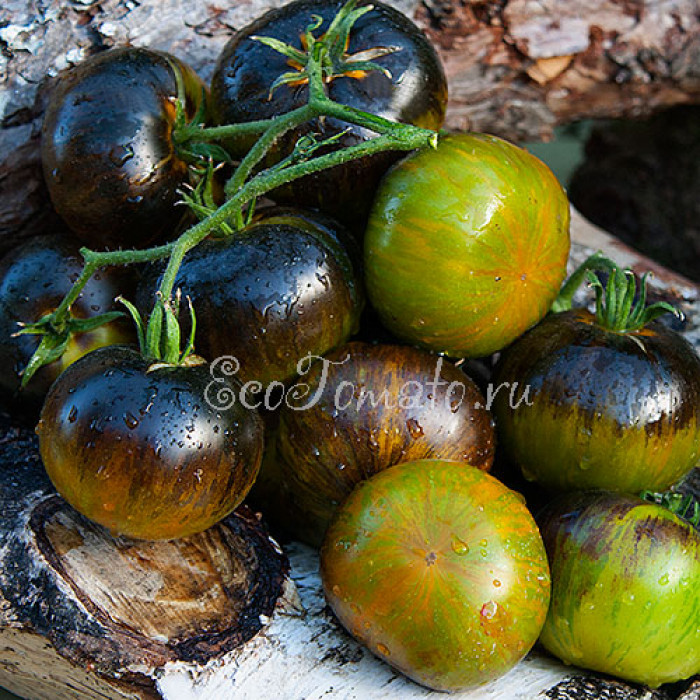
(109,159)
(139,448)
(34,278)
(611,410)
(270,294)
(416,93)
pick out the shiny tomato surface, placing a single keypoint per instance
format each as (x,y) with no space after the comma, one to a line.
(625,587)
(467,245)
(415,93)
(440,570)
(618,411)
(34,278)
(108,155)
(139,448)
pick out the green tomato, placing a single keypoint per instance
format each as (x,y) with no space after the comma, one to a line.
(467,245)
(439,570)
(625,587)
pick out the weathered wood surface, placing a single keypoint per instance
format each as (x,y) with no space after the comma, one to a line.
(84,616)
(515,68)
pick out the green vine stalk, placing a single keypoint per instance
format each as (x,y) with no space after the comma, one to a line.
(159,339)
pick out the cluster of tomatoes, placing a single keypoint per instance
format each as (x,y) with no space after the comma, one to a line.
(372,444)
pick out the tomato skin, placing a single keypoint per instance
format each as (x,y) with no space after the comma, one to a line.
(625,587)
(610,410)
(323,451)
(466,245)
(139,449)
(108,157)
(416,94)
(270,294)
(440,571)
(34,278)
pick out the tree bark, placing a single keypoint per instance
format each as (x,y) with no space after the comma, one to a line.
(84,616)
(515,68)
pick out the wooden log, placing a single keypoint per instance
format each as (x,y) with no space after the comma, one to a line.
(86,616)
(515,68)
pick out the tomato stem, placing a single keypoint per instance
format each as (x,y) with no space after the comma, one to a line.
(594,263)
(159,338)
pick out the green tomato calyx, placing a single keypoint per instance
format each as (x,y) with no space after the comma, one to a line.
(55,337)
(331,47)
(160,338)
(616,309)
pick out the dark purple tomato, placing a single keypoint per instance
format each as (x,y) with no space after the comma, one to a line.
(416,93)
(625,587)
(611,410)
(440,571)
(269,295)
(109,159)
(139,448)
(34,278)
(366,408)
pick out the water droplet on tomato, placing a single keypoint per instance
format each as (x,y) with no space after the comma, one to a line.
(73,415)
(663,581)
(489,610)
(414,428)
(130,421)
(459,546)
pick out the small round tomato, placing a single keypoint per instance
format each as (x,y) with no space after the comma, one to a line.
(365,408)
(415,92)
(625,587)
(440,571)
(109,159)
(280,289)
(34,278)
(600,409)
(467,245)
(139,449)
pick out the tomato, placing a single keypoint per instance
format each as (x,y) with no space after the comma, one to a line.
(270,294)
(109,160)
(612,410)
(625,587)
(466,246)
(440,571)
(416,93)
(34,278)
(369,407)
(140,450)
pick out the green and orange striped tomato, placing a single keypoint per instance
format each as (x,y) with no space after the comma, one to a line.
(466,246)
(625,587)
(439,570)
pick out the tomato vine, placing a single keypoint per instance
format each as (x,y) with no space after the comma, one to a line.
(159,335)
